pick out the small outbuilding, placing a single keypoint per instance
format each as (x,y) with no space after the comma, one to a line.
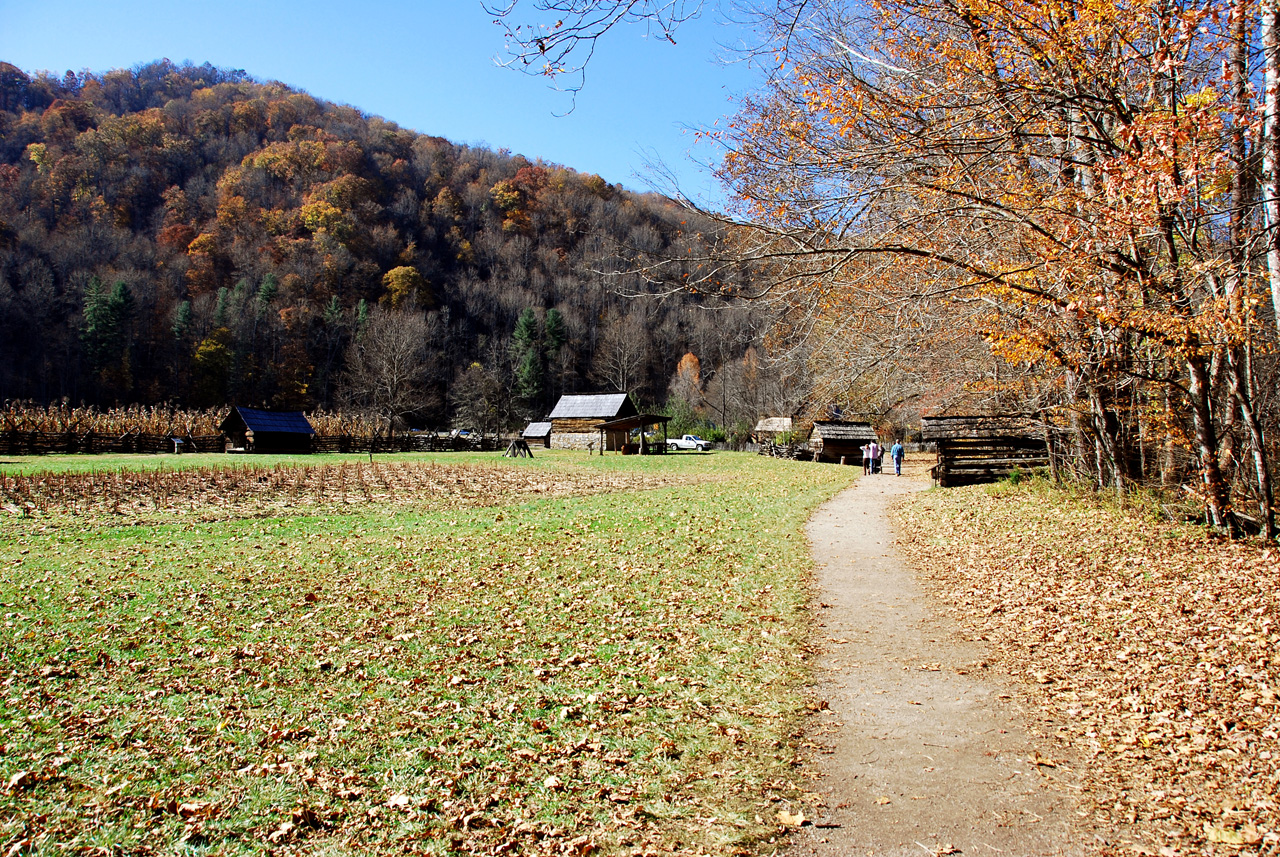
(575,420)
(539,433)
(768,428)
(631,436)
(840,442)
(254,430)
(975,449)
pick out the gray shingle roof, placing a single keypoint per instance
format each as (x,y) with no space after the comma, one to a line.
(602,406)
(774,424)
(536,430)
(843,431)
(973,426)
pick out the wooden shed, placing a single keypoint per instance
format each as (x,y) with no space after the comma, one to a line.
(768,428)
(575,420)
(836,440)
(254,430)
(633,433)
(974,449)
(539,433)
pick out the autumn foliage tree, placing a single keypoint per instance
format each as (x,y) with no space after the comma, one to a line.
(250,222)
(686,383)
(1073,185)
(1062,174)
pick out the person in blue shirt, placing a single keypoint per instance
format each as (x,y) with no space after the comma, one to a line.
(897,453)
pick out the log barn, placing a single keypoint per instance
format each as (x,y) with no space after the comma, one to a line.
(976,449)
(840,442)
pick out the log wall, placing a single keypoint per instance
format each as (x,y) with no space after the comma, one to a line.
(974,450)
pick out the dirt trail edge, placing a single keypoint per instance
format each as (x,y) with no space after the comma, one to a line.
(920,750)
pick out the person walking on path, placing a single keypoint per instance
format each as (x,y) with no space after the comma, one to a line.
(896,453)
(866,459)
(873,449)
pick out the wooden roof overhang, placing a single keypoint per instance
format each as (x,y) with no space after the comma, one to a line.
(639,421)
(536,430)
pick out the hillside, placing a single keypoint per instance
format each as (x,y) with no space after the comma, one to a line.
(190,235)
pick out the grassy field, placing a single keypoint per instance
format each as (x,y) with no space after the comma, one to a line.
(429,654)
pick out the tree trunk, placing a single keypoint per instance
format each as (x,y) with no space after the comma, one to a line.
(1051,448)
(1111,465)
(1271,147)
(1215,491)
(1240,390)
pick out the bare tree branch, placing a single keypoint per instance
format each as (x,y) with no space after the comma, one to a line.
(560,40)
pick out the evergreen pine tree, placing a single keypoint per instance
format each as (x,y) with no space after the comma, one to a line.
(95,323)
(106,324)
(529,378)
(181,320)
(333,313)
(105,334)
(268,289)
(528,359)
(555,337)
(222,309)
(362,316)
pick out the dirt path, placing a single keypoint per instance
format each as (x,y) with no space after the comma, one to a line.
(921,750)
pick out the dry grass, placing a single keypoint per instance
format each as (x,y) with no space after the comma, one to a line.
(249,491)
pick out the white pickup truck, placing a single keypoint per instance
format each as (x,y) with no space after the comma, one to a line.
(689,441)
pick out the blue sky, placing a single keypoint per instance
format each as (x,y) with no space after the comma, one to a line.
(426,65)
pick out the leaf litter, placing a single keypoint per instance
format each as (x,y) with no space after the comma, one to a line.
(1150,648)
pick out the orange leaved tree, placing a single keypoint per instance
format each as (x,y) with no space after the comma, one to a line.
(1075,185)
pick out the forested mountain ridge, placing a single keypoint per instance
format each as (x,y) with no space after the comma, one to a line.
(189,235)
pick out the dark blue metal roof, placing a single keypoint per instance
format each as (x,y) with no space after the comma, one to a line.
(288,422)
